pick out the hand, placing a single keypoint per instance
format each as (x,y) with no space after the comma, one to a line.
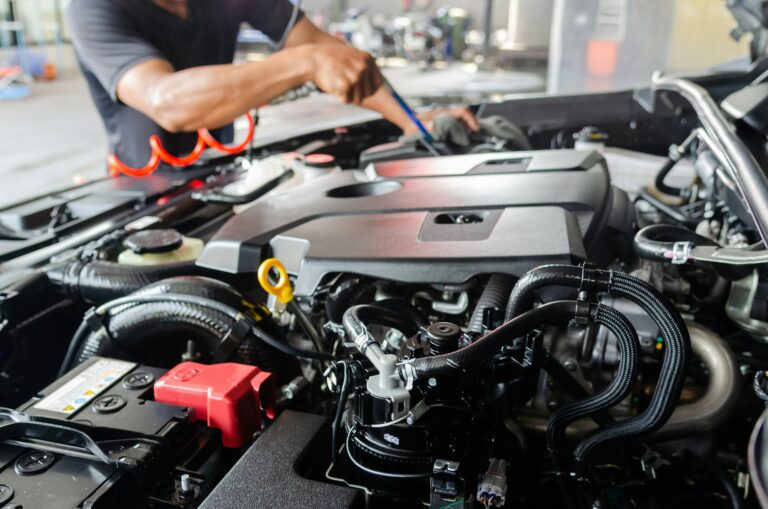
(343,71)
(462,113)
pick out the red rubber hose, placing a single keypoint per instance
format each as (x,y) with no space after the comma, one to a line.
(166,157)
(232,149)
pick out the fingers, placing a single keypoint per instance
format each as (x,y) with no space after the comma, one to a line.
(465,115)
(349,74)
(367,79)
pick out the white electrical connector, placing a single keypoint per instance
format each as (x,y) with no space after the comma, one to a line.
(492,490)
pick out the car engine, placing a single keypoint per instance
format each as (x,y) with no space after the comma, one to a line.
(344,319)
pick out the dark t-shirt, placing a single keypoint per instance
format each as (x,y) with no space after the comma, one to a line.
(111,36)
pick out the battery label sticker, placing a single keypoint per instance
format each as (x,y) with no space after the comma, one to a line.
(79,391)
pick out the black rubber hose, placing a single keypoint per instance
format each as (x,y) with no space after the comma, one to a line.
(85,343)
(356,317)
(662,174)
(287,349)
(452,363)
(615,392)
(677,343)
(73,348)
(494,296)
(133,333)
(413,314)
(133,329)
(667,210)
(523,294)
(96,282)
(656,242)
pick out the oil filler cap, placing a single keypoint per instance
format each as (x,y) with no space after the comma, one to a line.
(230,397)
(154,241)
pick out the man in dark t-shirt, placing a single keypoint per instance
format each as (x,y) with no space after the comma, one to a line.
(165,67)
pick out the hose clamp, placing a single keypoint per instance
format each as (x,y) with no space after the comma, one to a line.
(363,341)
(407,373)
(681,253)
(583,311)
(589,279)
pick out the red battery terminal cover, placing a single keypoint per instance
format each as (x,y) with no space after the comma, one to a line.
(230,397)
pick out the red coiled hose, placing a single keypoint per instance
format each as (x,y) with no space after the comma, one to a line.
(166,157)
(233,149)
(204,140)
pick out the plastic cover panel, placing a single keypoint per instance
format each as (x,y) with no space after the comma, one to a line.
(397,219)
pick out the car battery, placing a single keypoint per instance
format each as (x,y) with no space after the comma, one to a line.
(97,438)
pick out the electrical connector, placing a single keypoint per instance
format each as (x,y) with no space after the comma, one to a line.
(492,490)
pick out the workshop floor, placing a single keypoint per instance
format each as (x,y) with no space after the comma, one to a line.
(50,140)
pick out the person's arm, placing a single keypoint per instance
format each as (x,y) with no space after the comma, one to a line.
(380,100)
(209,96)
(213,96)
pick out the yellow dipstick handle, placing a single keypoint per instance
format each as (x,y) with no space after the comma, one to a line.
(282,289)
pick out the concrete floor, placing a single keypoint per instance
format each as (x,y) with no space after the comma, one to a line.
(51,140)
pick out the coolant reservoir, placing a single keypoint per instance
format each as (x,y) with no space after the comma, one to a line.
(159,247)
(315,165)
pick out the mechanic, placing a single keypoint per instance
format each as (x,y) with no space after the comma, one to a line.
(165,67)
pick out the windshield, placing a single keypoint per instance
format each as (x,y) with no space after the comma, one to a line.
(52,138)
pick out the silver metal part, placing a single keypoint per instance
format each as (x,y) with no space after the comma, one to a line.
(703,415)
(442,465)
(185,484)
(728,256)
(295,386)
(452,308)
(416,413)
(681,252)
(721,396)
(739,306)
(745,171)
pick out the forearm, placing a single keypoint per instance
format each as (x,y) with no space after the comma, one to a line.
(213,96)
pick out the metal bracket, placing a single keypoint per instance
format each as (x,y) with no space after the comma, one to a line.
(39,433)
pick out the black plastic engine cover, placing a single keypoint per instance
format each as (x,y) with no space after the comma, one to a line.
(268,475)
(431,220)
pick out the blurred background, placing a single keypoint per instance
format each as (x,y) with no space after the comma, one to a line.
(460,51)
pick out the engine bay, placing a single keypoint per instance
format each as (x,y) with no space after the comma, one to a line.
(343,319)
